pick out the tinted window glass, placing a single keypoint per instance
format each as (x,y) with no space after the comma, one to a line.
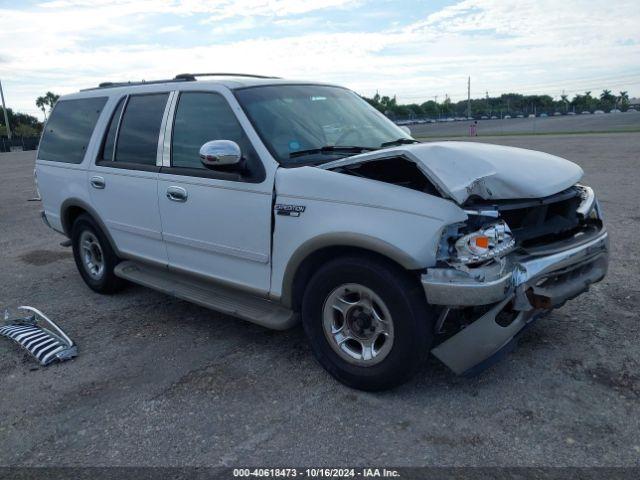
(139,130)
(107,149)
(69,129)
(200,118)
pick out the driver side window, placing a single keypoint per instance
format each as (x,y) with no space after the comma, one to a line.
(202,117)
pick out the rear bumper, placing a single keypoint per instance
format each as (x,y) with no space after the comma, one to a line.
(528,285)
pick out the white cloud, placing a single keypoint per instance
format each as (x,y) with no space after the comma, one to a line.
(532,46)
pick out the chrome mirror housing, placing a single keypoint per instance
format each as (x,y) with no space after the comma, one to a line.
(220,152)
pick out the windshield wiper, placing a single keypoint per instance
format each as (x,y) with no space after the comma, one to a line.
(330,149)
(399,141)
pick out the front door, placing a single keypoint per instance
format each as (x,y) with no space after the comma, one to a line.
(215,222)
(124,179)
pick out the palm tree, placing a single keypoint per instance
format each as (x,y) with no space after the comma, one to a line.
(48,100)
(51,99)
(41,104)
(607,99)
(623,99)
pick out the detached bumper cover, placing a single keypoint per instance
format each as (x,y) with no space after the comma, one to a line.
(555,274)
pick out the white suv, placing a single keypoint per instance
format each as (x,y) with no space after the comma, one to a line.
(274,201)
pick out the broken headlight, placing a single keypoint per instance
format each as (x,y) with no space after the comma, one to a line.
(588,208)
(491,241)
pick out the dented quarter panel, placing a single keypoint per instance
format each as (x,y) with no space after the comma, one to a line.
(462,169)
(347,210)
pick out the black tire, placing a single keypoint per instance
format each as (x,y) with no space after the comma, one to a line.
(404,299)
(106,282)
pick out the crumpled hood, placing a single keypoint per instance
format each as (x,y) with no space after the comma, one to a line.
(462,169)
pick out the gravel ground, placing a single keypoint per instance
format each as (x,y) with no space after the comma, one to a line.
(161,382)
(627,121)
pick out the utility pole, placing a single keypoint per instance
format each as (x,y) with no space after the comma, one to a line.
(486,93)
(469,97)
(6,116)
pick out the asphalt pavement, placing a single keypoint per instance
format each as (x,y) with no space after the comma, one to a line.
(161,382)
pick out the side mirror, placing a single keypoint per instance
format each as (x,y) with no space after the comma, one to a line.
(405,129)
(220,153)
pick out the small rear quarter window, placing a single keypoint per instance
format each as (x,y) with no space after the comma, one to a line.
(68,131)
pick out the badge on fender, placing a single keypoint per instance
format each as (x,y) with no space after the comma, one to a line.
(289,210)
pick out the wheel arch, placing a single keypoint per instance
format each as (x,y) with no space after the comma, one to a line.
(314,252)
(72,208)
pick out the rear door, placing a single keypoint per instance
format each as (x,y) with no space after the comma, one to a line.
(124,180)
(220,226)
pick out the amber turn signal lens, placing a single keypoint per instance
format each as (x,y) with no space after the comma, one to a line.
(482,242)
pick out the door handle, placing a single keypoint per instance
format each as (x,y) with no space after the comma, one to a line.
(177,194)
(97,182)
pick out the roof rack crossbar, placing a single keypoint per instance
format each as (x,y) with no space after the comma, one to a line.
(192,76)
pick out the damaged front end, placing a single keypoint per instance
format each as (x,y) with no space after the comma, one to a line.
(510,263)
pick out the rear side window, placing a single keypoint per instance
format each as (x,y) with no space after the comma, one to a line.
(139,130)
(69,129)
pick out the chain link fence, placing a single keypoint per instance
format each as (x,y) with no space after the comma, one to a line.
(18,144)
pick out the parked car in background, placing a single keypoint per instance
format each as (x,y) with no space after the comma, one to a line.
(586,112)
(520,116)
(557,114)
(598,112)
(279,201)
(532,115)
(543,115)
(507,117)
(631,110)
(571,113)
(615,110)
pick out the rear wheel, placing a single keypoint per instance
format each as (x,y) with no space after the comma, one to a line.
(367,321)
(94,257)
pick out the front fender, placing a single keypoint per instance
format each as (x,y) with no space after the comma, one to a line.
(342,210)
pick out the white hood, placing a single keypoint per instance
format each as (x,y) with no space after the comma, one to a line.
(462,169)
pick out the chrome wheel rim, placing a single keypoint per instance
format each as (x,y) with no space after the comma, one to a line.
(91,255)
(357,324)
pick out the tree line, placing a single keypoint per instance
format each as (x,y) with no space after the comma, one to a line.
(507,103)
(25,125)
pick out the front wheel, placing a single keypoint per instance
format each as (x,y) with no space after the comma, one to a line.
(367,321)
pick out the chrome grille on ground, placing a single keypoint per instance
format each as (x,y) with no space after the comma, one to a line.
(45,345)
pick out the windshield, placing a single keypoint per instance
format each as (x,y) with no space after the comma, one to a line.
(302,124)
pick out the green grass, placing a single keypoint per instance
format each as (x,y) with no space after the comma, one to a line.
(530,134)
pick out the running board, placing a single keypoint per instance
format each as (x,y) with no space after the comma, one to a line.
(206,294)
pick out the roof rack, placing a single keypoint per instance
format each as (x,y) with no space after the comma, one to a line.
(192,76)
(183,77)
(130,84)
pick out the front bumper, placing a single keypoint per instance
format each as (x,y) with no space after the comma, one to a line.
(528,283)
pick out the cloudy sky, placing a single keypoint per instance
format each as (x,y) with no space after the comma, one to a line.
(415,49)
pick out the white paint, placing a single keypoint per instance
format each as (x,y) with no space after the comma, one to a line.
(462,169)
